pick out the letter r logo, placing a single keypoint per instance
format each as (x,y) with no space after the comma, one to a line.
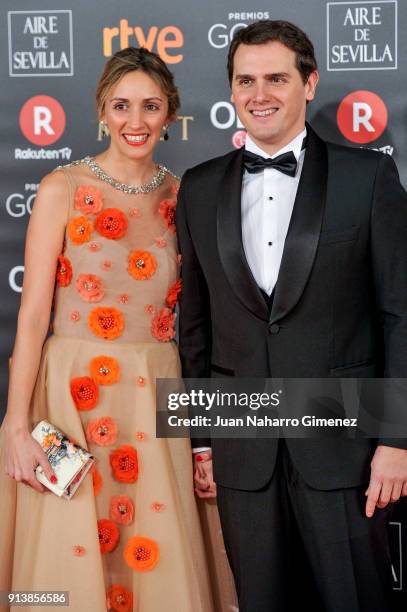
(362,116)
(42,120)
(362,112)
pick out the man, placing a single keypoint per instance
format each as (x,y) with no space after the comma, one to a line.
(295,268)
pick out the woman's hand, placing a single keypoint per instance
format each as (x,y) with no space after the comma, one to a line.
(204,484)
(23,454)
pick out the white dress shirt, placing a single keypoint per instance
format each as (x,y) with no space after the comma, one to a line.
(267,205)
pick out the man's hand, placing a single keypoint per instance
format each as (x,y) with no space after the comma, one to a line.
(203,475)
(388,478)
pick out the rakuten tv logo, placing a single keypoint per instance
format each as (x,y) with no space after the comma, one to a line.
(362,116)
(42,120)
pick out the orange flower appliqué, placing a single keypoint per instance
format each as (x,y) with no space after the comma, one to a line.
(108,535)
(162,326)
(106,265)
(134,213)
(142,265)
(119,599)
(173,293)
(104,370)
(160,242)
(157,506)
(97,482)
(75,316)
(124,464)
(64,271)
(102,431)
(141,554)
(84,393)
(122,509)
(79,230)
(111,223)
(78,550)
(88,200)
(90,287)
(107,323)
(123,298)
(167,211)
(94,247)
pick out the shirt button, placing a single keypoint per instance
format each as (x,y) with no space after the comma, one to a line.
(271,198)
(270,243)
(274,328)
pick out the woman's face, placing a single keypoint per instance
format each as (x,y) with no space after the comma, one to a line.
(136,109)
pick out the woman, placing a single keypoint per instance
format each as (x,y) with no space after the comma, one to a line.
(129,539)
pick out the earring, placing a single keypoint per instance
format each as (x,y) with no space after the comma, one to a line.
(166,137)
(103,130)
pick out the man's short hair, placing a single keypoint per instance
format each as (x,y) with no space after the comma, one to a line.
(288,34)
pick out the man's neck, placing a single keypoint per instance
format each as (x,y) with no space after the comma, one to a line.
(271,148)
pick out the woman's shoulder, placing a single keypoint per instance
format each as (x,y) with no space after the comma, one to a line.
(172,175)
(172,180)
(54,183)
(52,199)
(61,181)
(77,173)
(73,169)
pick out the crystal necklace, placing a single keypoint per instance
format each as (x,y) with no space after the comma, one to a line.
(155,182)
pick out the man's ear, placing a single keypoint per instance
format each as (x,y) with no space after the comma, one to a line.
(311,85)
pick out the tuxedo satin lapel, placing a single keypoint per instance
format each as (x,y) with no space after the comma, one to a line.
(230,243)
(304,230)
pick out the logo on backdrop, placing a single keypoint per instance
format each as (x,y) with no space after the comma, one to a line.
(42,121)
(15,278)
(362,35)
(19,204)
(362,116)
(40,43)
(223,116)
(220,34)
(167,41)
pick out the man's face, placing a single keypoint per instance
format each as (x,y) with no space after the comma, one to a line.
(269,93)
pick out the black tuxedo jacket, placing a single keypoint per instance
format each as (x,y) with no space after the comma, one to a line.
(340,302)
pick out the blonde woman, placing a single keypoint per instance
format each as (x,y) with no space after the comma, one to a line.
(104,228)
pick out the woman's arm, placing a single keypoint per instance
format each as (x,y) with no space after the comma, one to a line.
(45,236)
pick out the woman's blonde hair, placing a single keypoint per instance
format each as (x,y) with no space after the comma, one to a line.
(130,59)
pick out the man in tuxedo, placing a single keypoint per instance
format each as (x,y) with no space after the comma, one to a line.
(294,264)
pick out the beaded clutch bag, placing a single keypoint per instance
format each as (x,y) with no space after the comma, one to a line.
(70,462)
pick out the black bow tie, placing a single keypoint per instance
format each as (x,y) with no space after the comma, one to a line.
(286,163)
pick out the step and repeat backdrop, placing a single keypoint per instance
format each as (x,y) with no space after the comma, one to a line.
(52,59)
